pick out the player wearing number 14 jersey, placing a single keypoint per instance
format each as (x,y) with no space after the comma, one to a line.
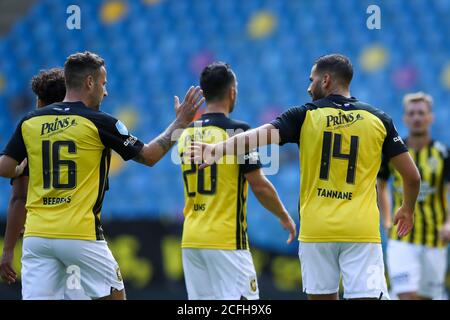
(341,141)
(68,146)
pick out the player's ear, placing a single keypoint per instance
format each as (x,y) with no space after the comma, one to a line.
(40,103)
(89,81)
(326,80)
(233,93)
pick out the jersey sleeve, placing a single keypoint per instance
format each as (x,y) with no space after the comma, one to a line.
(393,144)
(289,124)
(114,134)
(16,146)
(249,161)
(384,172)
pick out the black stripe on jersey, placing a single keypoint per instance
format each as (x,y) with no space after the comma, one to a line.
(420,203)
(413,230)
(442,195)
(242,196)
(103,176)
(238,214)
(433,197)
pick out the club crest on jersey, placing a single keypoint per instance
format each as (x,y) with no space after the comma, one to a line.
(342,119)
(253,285)
(57,125)
(118,274)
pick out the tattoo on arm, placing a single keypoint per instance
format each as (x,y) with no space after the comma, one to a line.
(164,141)
(140,157)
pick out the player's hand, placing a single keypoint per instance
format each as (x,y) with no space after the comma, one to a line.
(187,110)
(289,225)
(405,220)
(21,167)
(445,232)
(7,272)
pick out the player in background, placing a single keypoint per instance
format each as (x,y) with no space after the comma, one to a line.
(417,263)
(68,146)
(49,87)
(217,262)
(341,142)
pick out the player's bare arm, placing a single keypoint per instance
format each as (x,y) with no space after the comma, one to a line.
(15,222)
(384,203)
(155,150)
(404,217)
(445,231)
(239,144)
(267,195)
(9,168)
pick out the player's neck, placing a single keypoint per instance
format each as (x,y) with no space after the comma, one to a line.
(72,96)
(217,107)
(417,142)
(345,92)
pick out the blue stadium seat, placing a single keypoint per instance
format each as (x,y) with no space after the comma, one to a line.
(152,53)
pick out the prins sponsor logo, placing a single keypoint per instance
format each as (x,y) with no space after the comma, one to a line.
(343,119)
(59,124)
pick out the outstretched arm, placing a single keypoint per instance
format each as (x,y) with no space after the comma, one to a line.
(237,145)
(155,150)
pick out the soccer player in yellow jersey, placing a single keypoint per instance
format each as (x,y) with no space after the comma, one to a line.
(217,262)
(341,142)
(417,263)
(68,146)
(49,87)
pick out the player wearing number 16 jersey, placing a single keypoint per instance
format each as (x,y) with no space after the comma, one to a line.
(68,146)
(341,141)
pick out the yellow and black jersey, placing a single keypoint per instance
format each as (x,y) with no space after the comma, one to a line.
(341,142)
(433,162)
(216,197)
(68,147)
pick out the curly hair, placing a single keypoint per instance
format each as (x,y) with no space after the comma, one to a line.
(49,85)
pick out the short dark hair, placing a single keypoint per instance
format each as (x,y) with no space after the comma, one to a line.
(79,65)
(215,80)
(337,64)
(49,85)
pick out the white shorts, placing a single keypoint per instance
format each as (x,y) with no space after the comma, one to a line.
(417,268)
(219,274)
(360,264)
(56,268)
